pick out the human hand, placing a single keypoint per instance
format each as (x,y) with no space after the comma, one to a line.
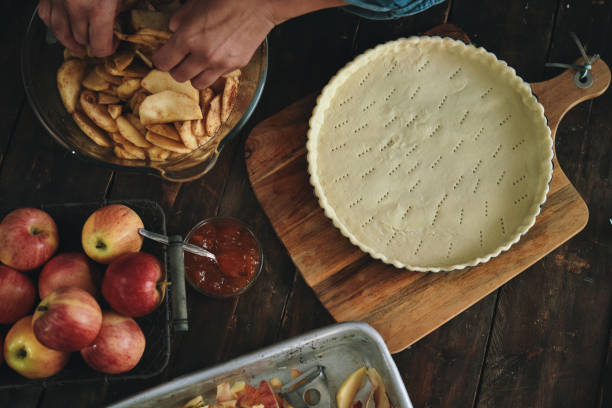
(213,37)
(78,23)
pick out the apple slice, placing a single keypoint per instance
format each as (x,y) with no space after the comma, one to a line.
(223,392)
(237,388)
(371,397)
(347,391)
(197,402)
(267,396)
(380,392)
(248,397)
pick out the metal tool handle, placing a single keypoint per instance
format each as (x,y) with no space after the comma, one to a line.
(177,269)
(162,239)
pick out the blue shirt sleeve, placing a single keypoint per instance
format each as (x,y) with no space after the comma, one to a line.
(388,9)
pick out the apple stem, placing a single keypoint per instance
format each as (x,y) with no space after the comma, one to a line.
(22,353)
(100,245)
(42,308)
(34,231)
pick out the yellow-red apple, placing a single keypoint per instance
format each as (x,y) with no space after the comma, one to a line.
(110,232)
(118,347)
(17,295)
(28,238)
(133,284)
(24,353)
(68,269)
(68,319)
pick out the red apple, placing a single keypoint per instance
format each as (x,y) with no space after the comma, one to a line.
(133,284)
(118,347)
(17,295)
(24,354)
(111,231)
(28,237)
(69,269)
(68,319)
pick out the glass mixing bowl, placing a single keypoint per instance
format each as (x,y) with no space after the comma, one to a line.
(41,57)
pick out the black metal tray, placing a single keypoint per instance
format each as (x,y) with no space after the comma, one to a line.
(155,326)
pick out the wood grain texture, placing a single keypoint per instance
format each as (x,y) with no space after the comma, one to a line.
(549,327)
(14,17)
(403,307)
(545,351)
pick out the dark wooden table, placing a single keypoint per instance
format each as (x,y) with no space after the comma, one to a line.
(542,340)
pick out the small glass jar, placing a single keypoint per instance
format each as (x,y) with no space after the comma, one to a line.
(237,250)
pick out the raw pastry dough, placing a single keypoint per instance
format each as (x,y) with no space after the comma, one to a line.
(430,154)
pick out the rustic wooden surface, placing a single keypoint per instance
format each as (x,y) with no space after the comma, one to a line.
(403,307)
(543,339)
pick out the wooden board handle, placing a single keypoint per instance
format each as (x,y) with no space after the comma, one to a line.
(559,94)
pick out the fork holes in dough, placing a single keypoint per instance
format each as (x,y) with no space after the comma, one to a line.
(390,94)
(354,203)
(364,79)
(516,146)
(345,101)
(442,102)
(457,146)
(393,119)
(368,172)
(394,169)
(368,106)
(436,162)
(505,120)
(486,93)
(454,74)
(339,147)
(341,124)
(433,132)
(501,177)
(360,128)
(518,180)
(422,67)
(363,152)
(367,222)
(521,198)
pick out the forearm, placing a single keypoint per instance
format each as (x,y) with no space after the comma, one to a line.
(283,10)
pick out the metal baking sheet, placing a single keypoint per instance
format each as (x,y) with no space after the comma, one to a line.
(340,348)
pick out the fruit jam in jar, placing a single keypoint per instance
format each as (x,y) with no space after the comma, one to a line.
(238,254)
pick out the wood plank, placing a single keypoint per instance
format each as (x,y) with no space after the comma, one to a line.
(14,17)
(39,170)
(552,325)
(443,369)
(518,32)
(21,398)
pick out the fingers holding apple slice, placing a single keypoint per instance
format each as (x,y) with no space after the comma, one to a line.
(110,232)
(118,347)
(26,355)
(68,319)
